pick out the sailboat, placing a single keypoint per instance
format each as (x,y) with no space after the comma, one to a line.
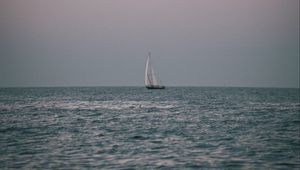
(151,81)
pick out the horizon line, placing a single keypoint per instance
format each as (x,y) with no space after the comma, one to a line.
(65,86)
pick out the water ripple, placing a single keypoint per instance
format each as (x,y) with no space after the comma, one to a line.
(134,128)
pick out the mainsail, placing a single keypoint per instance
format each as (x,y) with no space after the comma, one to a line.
(150,78)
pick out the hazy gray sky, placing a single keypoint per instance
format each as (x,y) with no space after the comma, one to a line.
(193,42)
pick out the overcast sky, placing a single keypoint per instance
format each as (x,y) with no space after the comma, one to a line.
(193,42)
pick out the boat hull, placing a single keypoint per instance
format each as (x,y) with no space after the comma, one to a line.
(155,87)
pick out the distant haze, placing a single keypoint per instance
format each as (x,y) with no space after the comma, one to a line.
(251,43)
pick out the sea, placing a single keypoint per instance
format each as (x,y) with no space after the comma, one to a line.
(135,128)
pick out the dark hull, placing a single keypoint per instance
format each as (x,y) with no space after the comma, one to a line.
(155,87)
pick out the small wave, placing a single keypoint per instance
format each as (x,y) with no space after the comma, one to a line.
(92,105)
(281,106)
(139,137)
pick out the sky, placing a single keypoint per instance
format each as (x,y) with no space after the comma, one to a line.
(193,42)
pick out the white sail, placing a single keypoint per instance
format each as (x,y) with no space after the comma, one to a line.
(154,80)
(150,78)
(147,76)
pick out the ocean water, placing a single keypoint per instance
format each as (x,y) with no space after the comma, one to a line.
(136,128)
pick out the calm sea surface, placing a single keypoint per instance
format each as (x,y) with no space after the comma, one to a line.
(132,127)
